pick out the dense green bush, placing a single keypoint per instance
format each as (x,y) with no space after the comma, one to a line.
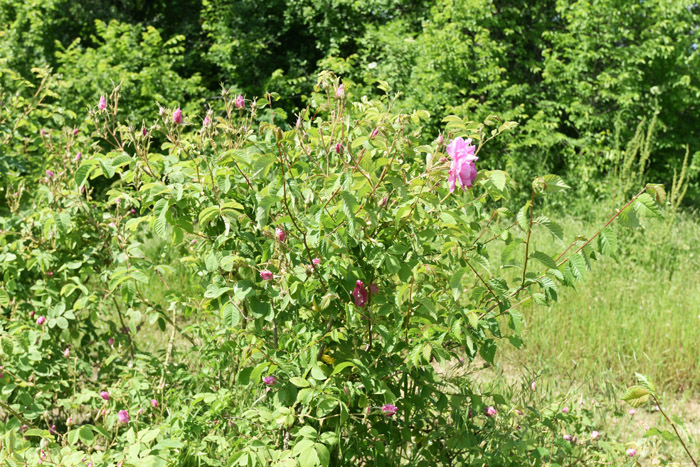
(310,291)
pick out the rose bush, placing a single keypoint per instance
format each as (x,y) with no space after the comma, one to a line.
(225,289)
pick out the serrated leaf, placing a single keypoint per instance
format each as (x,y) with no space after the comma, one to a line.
(299,382)
(577,265)
(645,206)
(523,217)
(636,396)
(208,214)
(544,258)
(456,282)
(82,173)
(607,242)
(230,315)
(554,229)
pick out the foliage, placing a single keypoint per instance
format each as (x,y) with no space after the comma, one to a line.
(316,277)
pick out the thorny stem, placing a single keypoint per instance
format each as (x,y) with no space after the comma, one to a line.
(673,425)
(527,242)
(128,332)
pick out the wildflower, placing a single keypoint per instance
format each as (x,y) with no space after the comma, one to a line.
(154,403)
(594,434)
(177,116)
(269,380)
(374,133)
(631,452)
(565,410)
(110,341)
(49,174)
(40,320)
(43,132)
(339,148)
(123,416)
(360,294)
(632,412)
(75,131)
(389,409)
(66,353)
(140,411)
(266,275)
(240,102)
(102,104)
(440,139)
(105,395)
(490,411)
(78,156)
(463,167)
(567,437)
(340,92)
(207,121)
(316,262)
(281,234)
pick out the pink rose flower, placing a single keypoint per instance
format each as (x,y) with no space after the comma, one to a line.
(102,104)
(463,167)
(123,416)
(490,411)
(105,395)
(631,452)
(594,434)
(389,409)
(266,274)
(177,116)
(316,262)
(154,403)
(565,410)
(360,294)
(66,353)
(632,412)
(207,121)
(269,380)
(240,102)
(340,92)
(281,234)
(40,320)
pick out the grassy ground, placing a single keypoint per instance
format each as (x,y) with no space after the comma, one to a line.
(638,313)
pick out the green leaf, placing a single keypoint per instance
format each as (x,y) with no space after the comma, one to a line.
(299,382)
(607,242)
(86,435)
(645,206)
(83,173)
(230,315)
(456,282)
(545,259)
(577,265)
(208,214)
(4,298)
(636,396)
(341,366)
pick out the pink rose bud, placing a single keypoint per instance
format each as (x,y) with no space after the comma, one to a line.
(207,121)
(104,395)
(50,273)
(339,148)
(269,380)
(139,412)
(194,240)
(49,174)
(240,102)
(384,201)
(66,353)
(565,410)
(281,234)
(533,386)
(154,403)
(490,411)
(75,131)
(360,294)
(374,133)
(102,104)
(23,428)
(266,274)
(632,412)
(110,341)
(631,452)
(316,261)
(69,421)
(594,434)
(177,116)
(389,410)
(132,211)
(123,416)
(340,92)
(112,224)
(78,156)
(43,132)
(298,121)
(440,139)
(52,429)
(143,130)
(567,437)
(118,200)
(518,411)
(40,320)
